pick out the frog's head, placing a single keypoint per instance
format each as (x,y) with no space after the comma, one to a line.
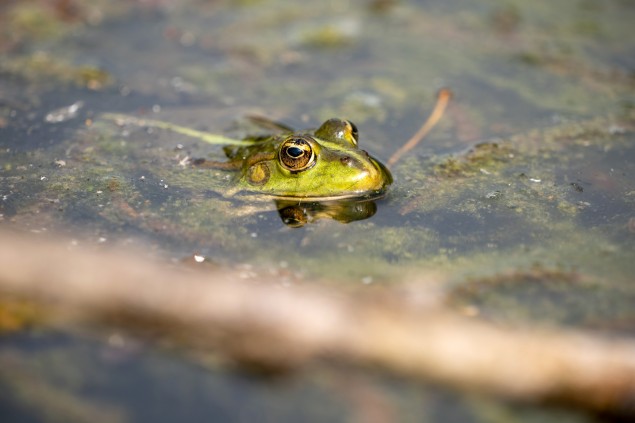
(325,164)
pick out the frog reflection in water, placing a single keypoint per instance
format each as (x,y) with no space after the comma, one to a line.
(310,174)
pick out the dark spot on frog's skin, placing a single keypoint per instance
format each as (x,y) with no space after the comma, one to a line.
(346,160)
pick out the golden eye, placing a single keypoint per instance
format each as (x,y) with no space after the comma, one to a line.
(341,131)
(296,154)
(352,129)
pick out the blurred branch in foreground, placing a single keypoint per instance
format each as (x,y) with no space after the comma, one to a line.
(262,324)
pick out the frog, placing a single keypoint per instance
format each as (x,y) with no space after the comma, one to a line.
(312,165)
(310,174)
(322,164)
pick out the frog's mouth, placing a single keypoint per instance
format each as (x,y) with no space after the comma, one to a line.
(365,195)
(383,170)
(300,199)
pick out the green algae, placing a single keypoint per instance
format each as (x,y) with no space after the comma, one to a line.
(42,68)
(327,36)
(545,296)
(34,21)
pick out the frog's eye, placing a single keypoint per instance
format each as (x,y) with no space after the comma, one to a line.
(296,154)
(343,132)
(352,130)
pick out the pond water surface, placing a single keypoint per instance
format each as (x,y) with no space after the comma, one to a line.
(530,171)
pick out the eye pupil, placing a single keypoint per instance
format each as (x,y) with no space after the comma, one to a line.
(295,152)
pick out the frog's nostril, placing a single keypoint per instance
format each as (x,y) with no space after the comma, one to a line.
(346,160)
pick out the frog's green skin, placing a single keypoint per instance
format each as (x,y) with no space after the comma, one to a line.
(320,165)
(328,166)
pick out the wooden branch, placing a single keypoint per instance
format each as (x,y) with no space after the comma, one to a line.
(262,323)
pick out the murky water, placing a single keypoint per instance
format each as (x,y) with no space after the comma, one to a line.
(532,167)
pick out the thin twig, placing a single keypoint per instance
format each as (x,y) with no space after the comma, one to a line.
(443,98)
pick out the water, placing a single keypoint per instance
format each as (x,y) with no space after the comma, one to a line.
(551,85)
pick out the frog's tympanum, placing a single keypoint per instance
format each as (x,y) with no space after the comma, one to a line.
(325,164)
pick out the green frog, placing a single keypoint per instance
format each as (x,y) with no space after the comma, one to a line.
(311,174)
(325,164)
(313,165)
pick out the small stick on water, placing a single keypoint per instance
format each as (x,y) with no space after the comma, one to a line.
(443,98)
(202,135)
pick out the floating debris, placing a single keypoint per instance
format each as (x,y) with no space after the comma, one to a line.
(583,204)
(617,130)
(493,195)
(576,186)
(64,113)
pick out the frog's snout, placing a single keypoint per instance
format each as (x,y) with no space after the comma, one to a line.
(370,175)
(382,174)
